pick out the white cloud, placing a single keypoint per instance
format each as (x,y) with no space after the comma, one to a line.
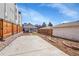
(65,21)
(34,16)
(63,9)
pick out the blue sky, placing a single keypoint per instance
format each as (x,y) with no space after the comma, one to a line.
(57,13)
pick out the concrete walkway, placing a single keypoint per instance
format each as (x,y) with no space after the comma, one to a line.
(31,45)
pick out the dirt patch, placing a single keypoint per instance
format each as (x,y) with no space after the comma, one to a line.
(58,42)
(72,45)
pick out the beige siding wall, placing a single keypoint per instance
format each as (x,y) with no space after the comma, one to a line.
(2,10)
(10,12)
(67,32)
(20,20)
(17,18)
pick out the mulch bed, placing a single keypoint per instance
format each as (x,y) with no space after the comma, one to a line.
(69,47)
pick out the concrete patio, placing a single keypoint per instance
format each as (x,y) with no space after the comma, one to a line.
(31,45)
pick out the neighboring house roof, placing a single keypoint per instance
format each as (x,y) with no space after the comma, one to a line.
(76,23)
(29,26)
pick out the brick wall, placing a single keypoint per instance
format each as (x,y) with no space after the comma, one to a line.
(19,28)
(45,31)
(7,28)
(15,29)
